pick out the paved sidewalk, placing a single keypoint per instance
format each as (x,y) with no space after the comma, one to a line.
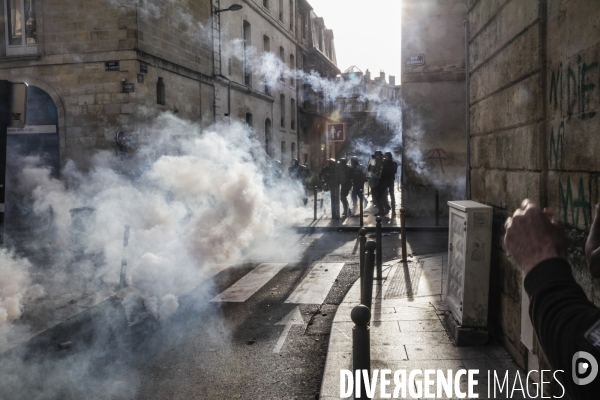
(407,331)
(388,222)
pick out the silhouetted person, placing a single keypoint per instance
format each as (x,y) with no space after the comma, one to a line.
(358,177)
(388,177)
(329,177)
(345,178)
(293,169)
(374,171)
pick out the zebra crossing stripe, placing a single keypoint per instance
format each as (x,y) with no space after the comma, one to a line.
(251,283)
(315,287)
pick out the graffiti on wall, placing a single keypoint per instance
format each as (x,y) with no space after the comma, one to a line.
(573,204)
(572,89)
(556,145)
(437,155)
(595,191)
(573,93)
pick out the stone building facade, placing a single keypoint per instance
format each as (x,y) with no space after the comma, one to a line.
(97,68)
(372,115)
(99,62)
(534,100)
(267,103)
(285,113)
(433,89)
(316,52)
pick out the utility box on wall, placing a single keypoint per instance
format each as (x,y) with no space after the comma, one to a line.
(468,281)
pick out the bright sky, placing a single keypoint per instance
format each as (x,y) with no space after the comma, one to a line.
(367,33)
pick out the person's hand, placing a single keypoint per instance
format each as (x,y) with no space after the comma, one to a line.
(532,236)
(592,246)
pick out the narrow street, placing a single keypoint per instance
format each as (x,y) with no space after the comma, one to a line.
(257,330)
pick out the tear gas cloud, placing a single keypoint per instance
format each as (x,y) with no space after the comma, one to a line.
(194,200)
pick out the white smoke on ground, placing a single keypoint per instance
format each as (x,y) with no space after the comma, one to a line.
(192,200)
(14,284)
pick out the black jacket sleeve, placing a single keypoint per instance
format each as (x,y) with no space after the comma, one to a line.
(561,314)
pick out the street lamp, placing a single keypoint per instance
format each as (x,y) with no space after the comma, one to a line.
(217,12)
(233,7)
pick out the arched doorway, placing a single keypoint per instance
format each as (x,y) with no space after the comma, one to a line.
(39,139)
(40,136)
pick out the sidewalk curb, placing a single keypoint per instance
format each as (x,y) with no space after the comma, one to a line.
(325,372)
(313,229)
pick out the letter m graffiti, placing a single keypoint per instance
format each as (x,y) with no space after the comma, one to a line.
(570,208)
(556,147)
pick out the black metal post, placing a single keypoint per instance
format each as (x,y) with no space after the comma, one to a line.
(123,277)
(361,346)
(315,201)
(4,122)
(437,208)
(368,273)
(361,249)
(379,247)
(360,199)
(402,234)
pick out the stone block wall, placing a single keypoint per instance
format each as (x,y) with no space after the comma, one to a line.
(534,99)
(177,31)
(433,121)
(84,26)
(75,39)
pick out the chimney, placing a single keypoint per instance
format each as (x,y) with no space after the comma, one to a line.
(392,80)
(368,75)
(382,76)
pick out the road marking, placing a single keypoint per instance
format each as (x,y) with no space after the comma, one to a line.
(315,287)
(251,283)
(193,282)
(293,318)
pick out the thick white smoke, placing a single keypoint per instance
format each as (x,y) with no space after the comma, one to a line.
(192,200)
(14,283)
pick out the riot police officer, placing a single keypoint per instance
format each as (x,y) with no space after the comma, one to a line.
(358,179)
(388,177)
(330,178)
(345,179)
(374,170)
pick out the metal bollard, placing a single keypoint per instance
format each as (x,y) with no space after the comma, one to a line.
(361,346)
(360,199)
(362,242)
(437,208)
(379,247)
(123,277)
(368,270)
(402,234)
(315,201)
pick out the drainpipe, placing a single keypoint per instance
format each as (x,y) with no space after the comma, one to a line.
(468,112)
(228,96)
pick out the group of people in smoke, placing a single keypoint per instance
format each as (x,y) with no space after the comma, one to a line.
(341,180)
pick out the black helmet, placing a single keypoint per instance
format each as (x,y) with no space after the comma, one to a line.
(378,153)
(354,161)
(388,154)
(294,162)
